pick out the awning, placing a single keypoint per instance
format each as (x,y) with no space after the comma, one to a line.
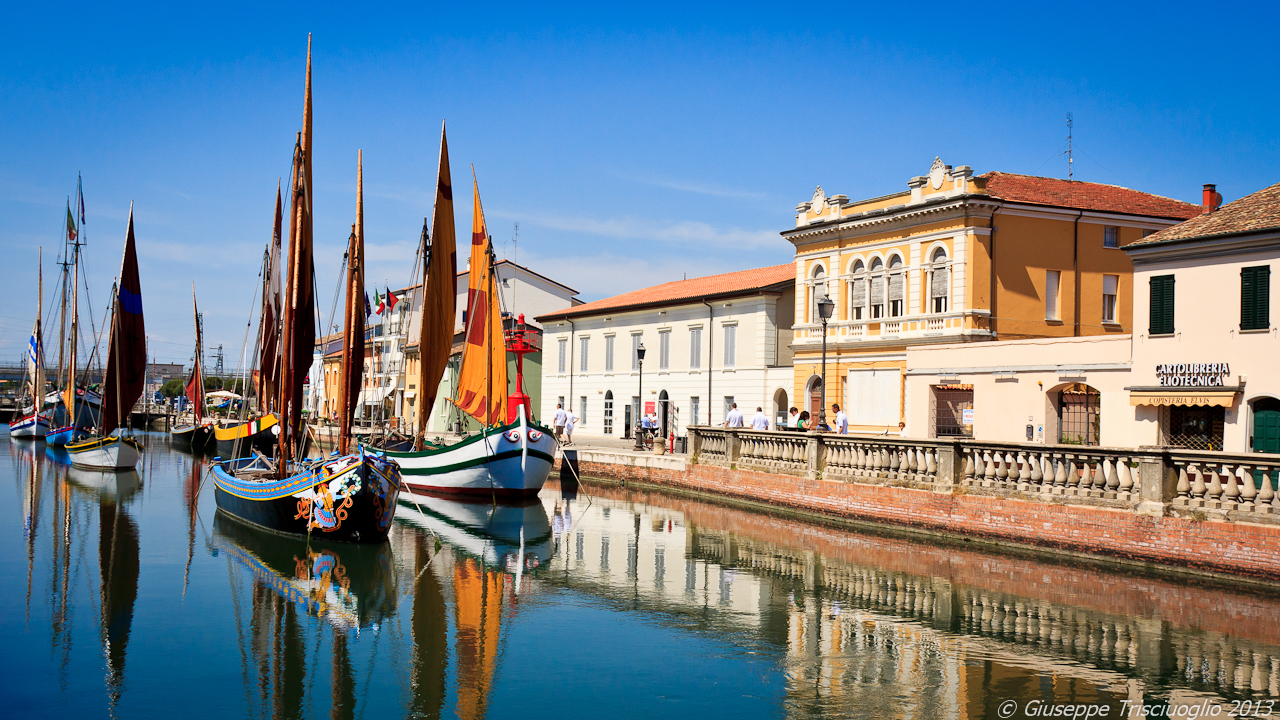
(1183,396)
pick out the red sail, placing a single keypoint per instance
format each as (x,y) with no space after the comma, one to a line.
(439,292)
(195,385)
(269,345)
(127,358)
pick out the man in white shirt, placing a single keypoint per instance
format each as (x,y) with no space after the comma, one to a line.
(759,421)
(842,420)
(734,416)
(795,418)
(569,420)
(558,420)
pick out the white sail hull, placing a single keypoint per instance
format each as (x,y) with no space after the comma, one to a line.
(510,461)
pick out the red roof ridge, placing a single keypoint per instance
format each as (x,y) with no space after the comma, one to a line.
(1102,197)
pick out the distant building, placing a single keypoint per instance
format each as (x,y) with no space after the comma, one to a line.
(709,342)
(958,258)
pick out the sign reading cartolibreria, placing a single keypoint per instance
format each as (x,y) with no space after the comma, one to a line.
(1193,374)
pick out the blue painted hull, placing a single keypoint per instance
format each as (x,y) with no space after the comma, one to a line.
(61,436)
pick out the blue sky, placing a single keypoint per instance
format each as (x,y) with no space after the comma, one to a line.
(633,144)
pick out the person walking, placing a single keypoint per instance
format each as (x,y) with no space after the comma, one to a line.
(759,421)
(842,420)
(569,421)
(559,420)
(734,417)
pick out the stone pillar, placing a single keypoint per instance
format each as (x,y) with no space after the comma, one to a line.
(696,442)
(731,446)
(815,456)
(950,467)
(1157,484)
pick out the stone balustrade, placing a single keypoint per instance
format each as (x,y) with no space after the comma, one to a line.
(1149,481)
(1227,485)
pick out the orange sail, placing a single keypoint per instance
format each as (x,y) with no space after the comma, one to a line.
(482,382)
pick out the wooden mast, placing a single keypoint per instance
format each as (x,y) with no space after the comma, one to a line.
(352,370)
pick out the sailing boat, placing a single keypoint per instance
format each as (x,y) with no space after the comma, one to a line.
(72,427)
(348,497)
(259,434)
(508,458)
(34,423)
(193,430)
(125,372)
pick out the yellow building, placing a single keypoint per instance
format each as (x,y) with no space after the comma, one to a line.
(957,258)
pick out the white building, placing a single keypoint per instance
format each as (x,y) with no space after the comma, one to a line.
(708,341)
(1206,356)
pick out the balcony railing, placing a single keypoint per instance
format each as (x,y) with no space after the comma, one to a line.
(963,322)
(1243,487)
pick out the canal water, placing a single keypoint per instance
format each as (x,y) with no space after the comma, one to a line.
(128,596)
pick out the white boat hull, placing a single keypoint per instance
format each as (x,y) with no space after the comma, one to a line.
(32,426)
(111,453)
(511,461)
(497,534)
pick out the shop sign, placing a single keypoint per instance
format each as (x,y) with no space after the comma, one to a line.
(1193,374)
(649,407)
(966,416)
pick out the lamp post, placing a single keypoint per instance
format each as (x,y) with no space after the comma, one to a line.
(825,307)
(640,395)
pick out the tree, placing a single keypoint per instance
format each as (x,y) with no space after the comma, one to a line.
(172,388)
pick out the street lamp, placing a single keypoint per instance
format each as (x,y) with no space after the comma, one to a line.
(639,395)
(825,307)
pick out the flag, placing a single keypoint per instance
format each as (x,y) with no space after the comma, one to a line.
(80,192)
(367,311)
(71,224)
(382,302)
(391,300)
(34,352)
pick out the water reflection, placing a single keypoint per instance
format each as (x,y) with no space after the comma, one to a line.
(472,609)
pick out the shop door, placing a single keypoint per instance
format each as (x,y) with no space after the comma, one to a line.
(1266,434)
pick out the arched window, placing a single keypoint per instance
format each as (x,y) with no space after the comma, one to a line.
(877,288)
(817,289)
(939,282)
(608,412)
(858,291)
(1079,415)
(897,287)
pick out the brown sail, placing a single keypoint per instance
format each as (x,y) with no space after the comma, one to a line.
(269,341)
(352,373)
(439,297)
(127,356)
(298,333)
(195,386)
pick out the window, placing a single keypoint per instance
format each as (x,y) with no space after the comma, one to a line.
(1079,415)
(949,405)
(1110,288)
(728,403)
(1193,426)
(635,345)
(560,401)
(693,409)
(582,409)
(582,349)
(608,353)
(608,412)
(695,348)
(1161,305)
(1255,298)
(1110,237)
(817,289)
(564,355)
(939,282)
(897,287)
(858,291)
(730,345)
(877,290)
(1052,278)
(664,349)
(872,397)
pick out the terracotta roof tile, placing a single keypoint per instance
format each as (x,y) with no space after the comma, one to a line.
(1085,196)
(743,281)
(1252,213)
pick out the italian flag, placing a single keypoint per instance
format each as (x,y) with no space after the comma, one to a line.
(382,302)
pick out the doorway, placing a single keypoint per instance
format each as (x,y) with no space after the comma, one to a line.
(608,412)
(664,412)
(1266,435)
(814,392)
(779,408)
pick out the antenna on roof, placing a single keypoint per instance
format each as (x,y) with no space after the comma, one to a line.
(1070,160)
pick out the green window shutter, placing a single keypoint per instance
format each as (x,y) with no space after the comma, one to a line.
(1161,305)
(1255,298)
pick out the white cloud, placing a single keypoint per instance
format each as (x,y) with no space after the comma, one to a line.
(697,187)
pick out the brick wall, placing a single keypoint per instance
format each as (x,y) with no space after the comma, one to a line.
(1234,548)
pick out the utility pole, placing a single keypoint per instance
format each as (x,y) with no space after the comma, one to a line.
(1070,160)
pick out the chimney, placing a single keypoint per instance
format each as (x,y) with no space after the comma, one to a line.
(1211,198)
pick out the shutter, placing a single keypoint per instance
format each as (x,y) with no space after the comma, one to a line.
(859,293)
(877,291)
(1262,301)
(895,286)
(941,282)
(1162,305)
(1248,299)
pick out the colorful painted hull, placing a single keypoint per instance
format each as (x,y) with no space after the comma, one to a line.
(57,437)
(240,440)
(32,427)
(505,462)
(347,499)
(108,453)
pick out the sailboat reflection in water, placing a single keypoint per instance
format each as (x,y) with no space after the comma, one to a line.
(515,536)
